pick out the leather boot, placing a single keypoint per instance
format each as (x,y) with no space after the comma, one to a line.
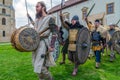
(64,58)
(75,72)
(97,65)
(112,57)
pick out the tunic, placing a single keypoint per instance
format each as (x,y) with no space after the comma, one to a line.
(40,56)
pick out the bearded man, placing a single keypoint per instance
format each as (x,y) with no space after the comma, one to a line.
(42,57)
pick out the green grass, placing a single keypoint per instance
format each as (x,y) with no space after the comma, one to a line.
(15,65)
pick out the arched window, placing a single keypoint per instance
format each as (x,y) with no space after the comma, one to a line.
(3,33)
(3,1)
(3,21)
(3,11)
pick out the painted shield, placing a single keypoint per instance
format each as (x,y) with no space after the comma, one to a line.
(116,41)
(83,45)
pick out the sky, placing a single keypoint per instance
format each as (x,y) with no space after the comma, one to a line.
(21,13)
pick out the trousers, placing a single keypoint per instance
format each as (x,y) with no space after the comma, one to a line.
(97,56)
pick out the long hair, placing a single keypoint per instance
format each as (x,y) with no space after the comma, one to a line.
(43,5)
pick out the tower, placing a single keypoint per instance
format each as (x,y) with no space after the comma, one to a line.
(7,20)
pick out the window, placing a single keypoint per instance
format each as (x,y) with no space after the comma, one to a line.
(3,11)
(3,21)
(110,8)
(66,16)
(84,12)
(3,1)
(3,33)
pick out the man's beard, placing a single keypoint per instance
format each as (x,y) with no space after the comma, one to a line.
(39,14)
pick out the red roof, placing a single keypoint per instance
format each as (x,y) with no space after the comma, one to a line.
(68,3)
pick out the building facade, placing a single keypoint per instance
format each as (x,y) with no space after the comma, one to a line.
(7,20)
(108,11)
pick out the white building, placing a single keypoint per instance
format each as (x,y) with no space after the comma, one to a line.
(108,11)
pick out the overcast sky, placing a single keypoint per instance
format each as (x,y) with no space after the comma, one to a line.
(20,9)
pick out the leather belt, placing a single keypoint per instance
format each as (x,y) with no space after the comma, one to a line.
(72,42)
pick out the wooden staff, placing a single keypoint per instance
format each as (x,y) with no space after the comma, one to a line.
(26,9)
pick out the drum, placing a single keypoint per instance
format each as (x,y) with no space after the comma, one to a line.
(25,39)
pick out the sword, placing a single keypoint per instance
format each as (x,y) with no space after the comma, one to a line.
(88,15)
(29,17)
(90,10)
(118,22)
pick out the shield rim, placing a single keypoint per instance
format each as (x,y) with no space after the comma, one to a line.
(81,62)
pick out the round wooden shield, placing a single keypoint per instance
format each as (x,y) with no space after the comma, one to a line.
(25,39)
(83,45)
(116,41)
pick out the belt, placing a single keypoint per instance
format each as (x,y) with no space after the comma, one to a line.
(96,41)
(43,37)
(72,42)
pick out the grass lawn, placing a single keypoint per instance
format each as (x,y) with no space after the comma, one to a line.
(15,65)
